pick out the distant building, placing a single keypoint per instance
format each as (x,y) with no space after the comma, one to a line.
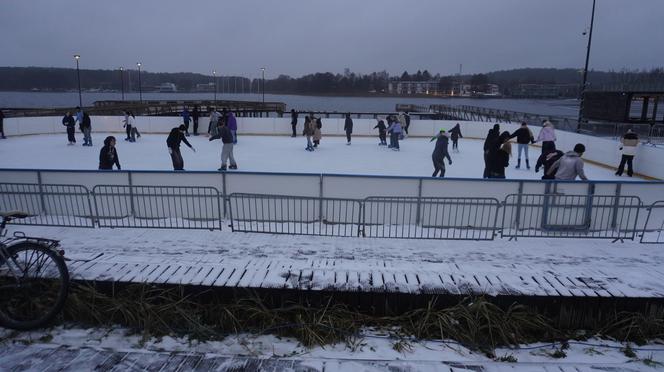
(207,87)
(167,88)
(413,87)
(461,90)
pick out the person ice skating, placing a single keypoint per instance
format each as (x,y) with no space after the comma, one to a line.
(406,116)
(195,114)
(215,116)
(109,155)
(382,131)
(499,159)
(440,153)
(546,134)
(86,128)
(186,118)
(126,123)
(395,133)
(2,125)
(628,145)
(293,122)
(79,115)
(318,133)
(226,136)
(69,122)
(570,165)
(231,123)
(175,137)
(455,134)
(524,136)
(348,127)
(132,128)
(308,131)
(546,160)
(490,142)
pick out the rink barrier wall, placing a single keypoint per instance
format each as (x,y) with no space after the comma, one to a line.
(649,160)
(586,208)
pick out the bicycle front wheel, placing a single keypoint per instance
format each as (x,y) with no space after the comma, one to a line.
(34,283)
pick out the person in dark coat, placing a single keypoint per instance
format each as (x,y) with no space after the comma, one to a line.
(382,132)
(175,137)
(499,159)
(455,134)
(293,122)
(69,122)
(109,155)
(406,117)
(440,153)
(86,128)
(549,156)
(186,118)
(348,127)
(2,125)
(489,143)
(524,136)
(195,114)
(226,136)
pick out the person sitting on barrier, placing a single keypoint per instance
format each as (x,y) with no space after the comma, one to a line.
(175,137)
(109,155)
(570,165)
(546,160)
(440,153)
(628,144)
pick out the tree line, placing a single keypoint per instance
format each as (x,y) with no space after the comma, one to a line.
(325,83)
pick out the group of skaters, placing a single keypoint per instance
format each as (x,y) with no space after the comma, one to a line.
(497,149)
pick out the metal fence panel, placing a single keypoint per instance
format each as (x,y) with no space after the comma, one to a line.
(282,214)
(570,216)
(653,230)
(430,218)
(50,205)
(172,207)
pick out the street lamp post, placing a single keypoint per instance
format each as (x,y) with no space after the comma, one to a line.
(140,88)
(263,80)
(214,73)
(585,69)
(78,77)
(122,81)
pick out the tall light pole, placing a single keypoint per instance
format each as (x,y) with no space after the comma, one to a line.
(122,81)
(585,69)
(263,82)
(214,73)
(140,88)
(78,77)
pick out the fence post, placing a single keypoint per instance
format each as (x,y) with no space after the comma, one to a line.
(131,193)
(616,204)
(320,197)
(589,204)
(41,192)
(223,192)
(517,218)
(419,202)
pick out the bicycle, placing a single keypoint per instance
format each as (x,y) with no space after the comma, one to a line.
(34,279)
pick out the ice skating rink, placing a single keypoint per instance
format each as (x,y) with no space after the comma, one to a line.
(269,154)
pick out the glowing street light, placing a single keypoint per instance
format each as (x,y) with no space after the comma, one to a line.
(140,88)
(78,77)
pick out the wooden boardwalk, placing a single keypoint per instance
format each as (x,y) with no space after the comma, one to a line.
(20,357)
(368,276)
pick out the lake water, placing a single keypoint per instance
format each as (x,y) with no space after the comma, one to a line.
(557,107)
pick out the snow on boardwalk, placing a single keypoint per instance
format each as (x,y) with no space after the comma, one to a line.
(270,154)
(532,267)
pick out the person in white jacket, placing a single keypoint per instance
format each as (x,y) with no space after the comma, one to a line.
(547,134)
(628,145)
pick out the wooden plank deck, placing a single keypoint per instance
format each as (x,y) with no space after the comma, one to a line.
(376,276)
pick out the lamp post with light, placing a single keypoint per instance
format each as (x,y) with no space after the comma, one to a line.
(122,82)
(140,89)
(263,81)
(78,77)
(585,69)
(214,73)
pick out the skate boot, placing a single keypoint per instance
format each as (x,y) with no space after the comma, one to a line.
(518,164)
(527,164)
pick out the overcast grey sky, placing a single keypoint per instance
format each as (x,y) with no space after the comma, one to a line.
(297,37)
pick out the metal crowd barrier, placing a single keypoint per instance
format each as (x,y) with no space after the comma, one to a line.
(170,207)
(296,215)
(49,205)
(570,216)
(430,218)
(653,230)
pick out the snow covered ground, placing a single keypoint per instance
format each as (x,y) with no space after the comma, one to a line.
(103,349)
(269,154)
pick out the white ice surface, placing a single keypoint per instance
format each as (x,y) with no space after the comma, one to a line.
(269,154)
